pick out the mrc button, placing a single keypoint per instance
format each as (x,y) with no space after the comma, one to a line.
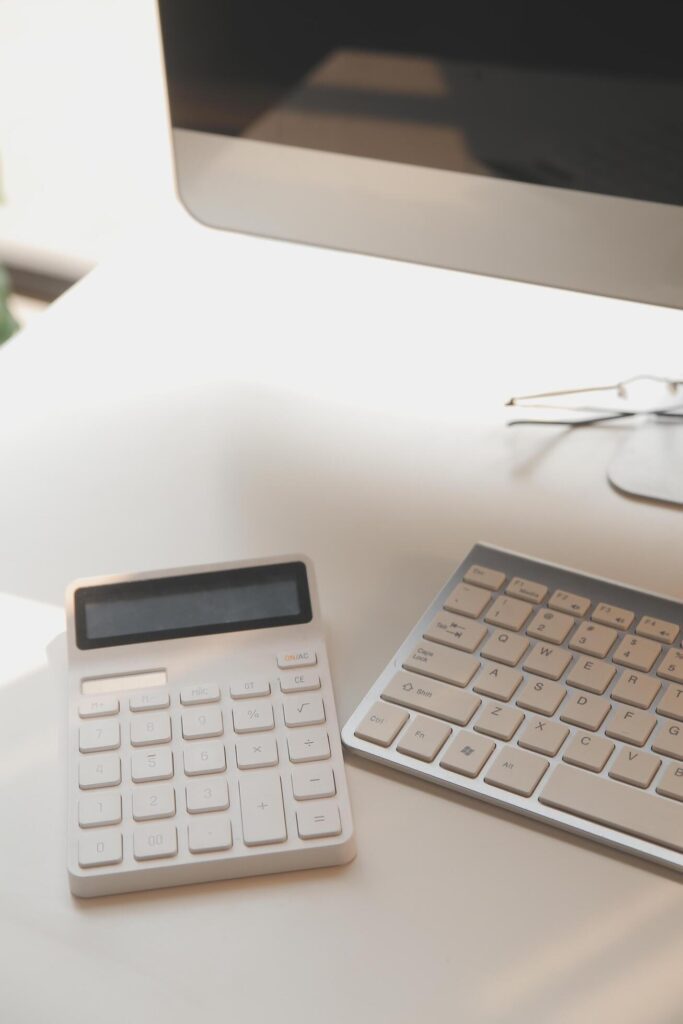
(297,659)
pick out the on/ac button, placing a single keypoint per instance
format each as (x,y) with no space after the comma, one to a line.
(297,659)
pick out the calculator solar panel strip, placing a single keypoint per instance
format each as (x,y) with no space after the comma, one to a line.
(203,741)
(546,691)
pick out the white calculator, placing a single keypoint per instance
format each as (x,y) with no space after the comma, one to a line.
(203,737)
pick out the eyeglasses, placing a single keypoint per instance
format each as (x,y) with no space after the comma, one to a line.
(637,396)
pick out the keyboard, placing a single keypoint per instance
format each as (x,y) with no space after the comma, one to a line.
(203,741)
(546,691)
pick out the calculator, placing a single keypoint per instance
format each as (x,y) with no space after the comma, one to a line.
(203,740)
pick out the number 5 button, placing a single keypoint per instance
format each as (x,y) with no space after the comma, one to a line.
(304,710)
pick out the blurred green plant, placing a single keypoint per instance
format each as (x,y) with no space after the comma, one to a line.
(8,324)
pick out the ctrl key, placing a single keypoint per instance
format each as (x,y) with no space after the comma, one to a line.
(382,724)
(97,849)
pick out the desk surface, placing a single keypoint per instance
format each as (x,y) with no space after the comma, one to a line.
(216,397)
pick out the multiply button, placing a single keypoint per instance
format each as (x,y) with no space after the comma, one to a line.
(200,693)
(297,659)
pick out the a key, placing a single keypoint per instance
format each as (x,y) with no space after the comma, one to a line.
(499,721)
(153,802)
(467,754)
(253,717)
(431,697)
(297,682)
(98,707)
(541,695)
(297,659)
(572,604)
(669,740)
(671,704)
(382,724)
(657,629)
(589,674)
(637,652)
(507,648)
(200,693)
(313,783)
(630,725)
(527,590)
(671,782)
(210,834)
(147,730)
(256,752)
(608,615)
(263,815)
(635,767)
(671,666)
(439,662)
(99,809)
(547,661)
(517,771)
(585,710)
(617,806)
(201,723)
(543,736)
(155,700)
(424,738)
(596,641)
(455,631)
(101,734)
(204,758)
(551,626)
(467,600)
(307,709)
(498,682)
(241,689)
(490,579)
(151,842)
(318,821)
(308,745)
(97,849)
(99,770)
(588,751)
(508,613)
(152,765)
(636,689)
(202,795)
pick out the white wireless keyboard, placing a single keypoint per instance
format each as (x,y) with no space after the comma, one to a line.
(203,737)
(544,690)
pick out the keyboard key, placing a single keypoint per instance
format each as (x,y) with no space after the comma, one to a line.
(543,736)
(382,724)
(499,721)
(99,735)
(253,717)
(205,795)
(671,703)
(424,738)
(208,835)
(671,666)
(303,710)
(241,689)
(630,725)
(608,615)
(202,723)
(491,579)
(98,707)
(615,805)
(153,802)
(528,591)
(313,783)
(296,682)
(432,697)
(256,752)
(550,662)
(541,695)
(263,813)
(455,631)
(155,700)
(147,730)
(591,675)
(508,613)
(297,659)
(467,600)
(516,771)
(94,771)
(594,640)
(442,663)
(551,626)
(588,751)
(204,758)
(585,710)
(635,767)
(308,745)
(507,648)
(99,809)
(572,604)
(97,849)
(152,765)
(467,754)
(497,681)
(151,842)
(200,693)
(318,821)
(637,653)
(669,741)
(671,782)
(636,689)
(657,629)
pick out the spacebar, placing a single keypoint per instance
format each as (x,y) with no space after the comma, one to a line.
(615,805)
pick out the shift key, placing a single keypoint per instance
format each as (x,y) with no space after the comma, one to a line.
(438,699)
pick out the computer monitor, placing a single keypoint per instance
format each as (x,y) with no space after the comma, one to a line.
(539,141)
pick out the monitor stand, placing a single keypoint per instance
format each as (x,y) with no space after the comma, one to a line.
(649,464)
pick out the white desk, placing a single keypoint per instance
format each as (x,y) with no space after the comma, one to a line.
(217,397)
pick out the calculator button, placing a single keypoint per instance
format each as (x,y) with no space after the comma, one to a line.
(100,848)
(98,707)
(256,752)
(638,653)
(454,631)
(297,681)
(671,703)
(154,701)
(207,795)
(635,767)
(424,738)
(146,730)
(497,681)
(432,697)
(588,751)
(263,813)
(467,600)
(382,724)
(591,675)
(499,721)
(594,640)
(516,771)
(153,802)
(297,659)
(508,613)
(202,723)
(636,689)
(93,736)
(657,629)
(94,771)
(313,783)
(608,615)
(585,710)
(153,841)
(671,667)
(249,688)
(467,754)
(200,693)
(204,758)
(253,717)
(507,648)
(491,579)
(151,765)
(440,662)
(528,591)
(308,745)
(543,736)
(304,711)
(318,821)
(561,601)
(208,835)
(552,626)
(99,809)
(546,661)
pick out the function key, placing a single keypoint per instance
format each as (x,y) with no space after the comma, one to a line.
(98,707)
(200,693)
(297,681)
(243,688)
(467,600)
(527,590)
(608,615)
(572,604)
(154,701)
(657,629)
(297,659)
(491,579)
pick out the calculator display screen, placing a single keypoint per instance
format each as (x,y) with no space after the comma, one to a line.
(256,597)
